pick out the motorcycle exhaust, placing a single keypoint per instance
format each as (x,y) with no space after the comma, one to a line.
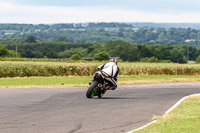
(100,85)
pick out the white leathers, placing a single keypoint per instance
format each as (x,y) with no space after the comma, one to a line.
(111,69)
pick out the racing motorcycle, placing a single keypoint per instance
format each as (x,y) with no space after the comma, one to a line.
(99,85)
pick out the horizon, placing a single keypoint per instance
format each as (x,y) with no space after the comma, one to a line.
(106,22)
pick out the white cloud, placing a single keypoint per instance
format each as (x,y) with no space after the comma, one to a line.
(14,13)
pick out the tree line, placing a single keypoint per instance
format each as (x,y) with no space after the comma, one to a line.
(32,47)
(98,32)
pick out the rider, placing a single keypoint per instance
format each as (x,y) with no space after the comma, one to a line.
(110,68)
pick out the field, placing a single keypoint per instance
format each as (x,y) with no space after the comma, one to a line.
(184,119)
(48,69)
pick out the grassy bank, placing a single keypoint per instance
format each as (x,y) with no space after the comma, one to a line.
(83,80)
(183,119)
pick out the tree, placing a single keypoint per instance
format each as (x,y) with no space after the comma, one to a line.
(101,56)
(48,52)
(61,39)
(145,51)
(38,54)
(198,59)
(31,39)
(177,56)
(27,53)
(162,52)
(122,49)
(51,54)
(153,59)
(75,57)
(3,51)
(161,37)
(12,53)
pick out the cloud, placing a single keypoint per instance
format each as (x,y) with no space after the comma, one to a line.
(144,5)
(16,13)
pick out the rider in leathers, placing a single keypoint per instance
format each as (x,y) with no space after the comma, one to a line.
(110,68)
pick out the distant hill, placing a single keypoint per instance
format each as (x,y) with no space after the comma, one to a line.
(167,25)
(143,33)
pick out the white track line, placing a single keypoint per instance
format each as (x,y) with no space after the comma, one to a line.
(172,108)
(142,126)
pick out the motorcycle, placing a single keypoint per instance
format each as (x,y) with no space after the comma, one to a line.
(98,85)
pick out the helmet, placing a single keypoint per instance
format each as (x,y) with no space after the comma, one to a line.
(113,60)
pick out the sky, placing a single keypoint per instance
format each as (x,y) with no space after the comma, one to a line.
(81,11)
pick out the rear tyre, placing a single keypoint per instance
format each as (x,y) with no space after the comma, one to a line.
(92,90)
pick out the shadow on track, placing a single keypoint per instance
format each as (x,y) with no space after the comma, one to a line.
(117,98)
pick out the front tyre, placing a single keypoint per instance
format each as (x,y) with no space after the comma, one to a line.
(92,89)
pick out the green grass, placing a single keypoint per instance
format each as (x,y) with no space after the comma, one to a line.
(83,81)
(44,81)
(183,119)
(155,77)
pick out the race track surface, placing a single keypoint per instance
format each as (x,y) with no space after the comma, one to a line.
(67,110)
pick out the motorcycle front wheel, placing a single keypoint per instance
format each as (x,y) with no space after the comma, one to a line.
(92,90)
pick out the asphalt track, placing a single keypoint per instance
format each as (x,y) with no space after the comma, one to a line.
(67,110)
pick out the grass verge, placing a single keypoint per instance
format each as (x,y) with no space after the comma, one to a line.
(183,119)
(83,81)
